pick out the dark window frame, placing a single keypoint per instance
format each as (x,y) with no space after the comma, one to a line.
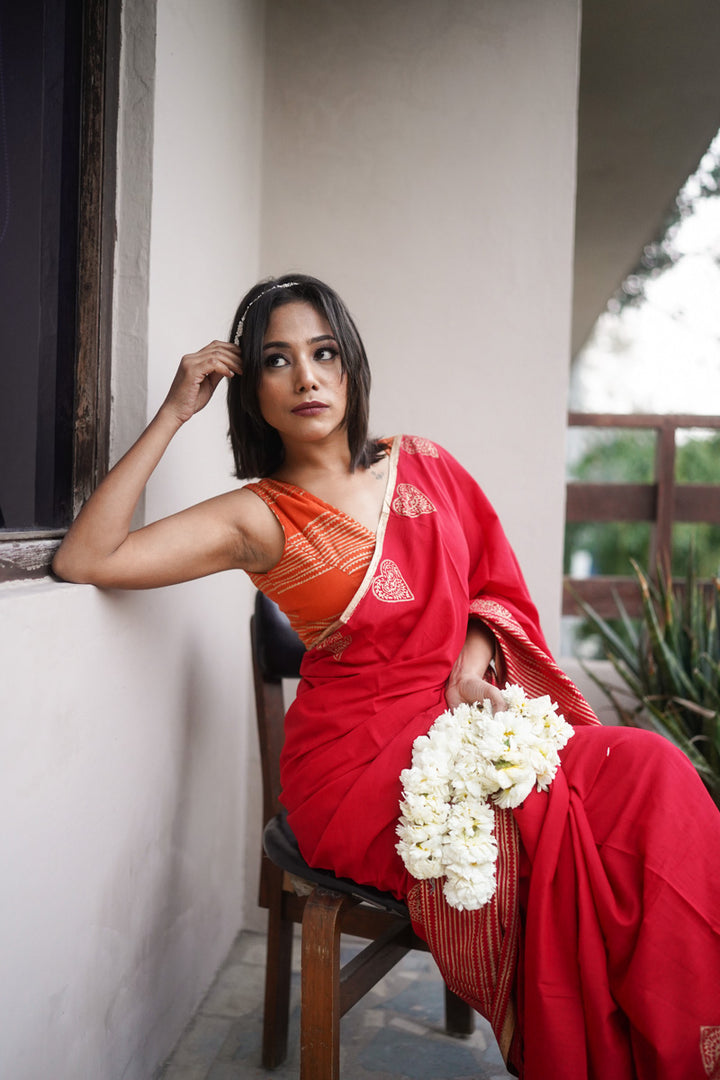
(28,553)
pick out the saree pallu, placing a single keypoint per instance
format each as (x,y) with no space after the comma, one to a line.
(561,942)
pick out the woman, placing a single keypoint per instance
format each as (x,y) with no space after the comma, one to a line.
(599,954)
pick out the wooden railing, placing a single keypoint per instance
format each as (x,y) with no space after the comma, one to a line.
(661,503)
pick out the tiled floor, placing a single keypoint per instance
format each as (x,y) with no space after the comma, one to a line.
(395,1033)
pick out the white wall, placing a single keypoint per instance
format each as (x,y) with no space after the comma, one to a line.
(123,741)
(420,156)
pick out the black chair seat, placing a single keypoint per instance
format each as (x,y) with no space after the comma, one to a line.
(282,848)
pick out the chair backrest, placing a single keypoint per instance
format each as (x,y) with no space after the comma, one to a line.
(277,652)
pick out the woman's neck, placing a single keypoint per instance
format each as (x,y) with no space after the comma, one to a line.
(326,473)
(327,458)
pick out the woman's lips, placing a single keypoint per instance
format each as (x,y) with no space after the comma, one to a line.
(310,408)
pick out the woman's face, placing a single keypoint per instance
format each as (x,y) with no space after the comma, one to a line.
(303,390)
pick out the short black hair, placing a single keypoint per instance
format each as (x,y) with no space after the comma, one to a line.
(257,447)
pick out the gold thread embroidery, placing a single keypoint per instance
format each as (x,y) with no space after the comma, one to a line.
(390,586)
(411,502)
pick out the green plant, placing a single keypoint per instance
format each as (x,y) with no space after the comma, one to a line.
(669,661)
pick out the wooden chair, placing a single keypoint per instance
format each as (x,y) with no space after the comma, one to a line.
(330,907)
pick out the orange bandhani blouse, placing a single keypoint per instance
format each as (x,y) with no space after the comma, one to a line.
(326,556)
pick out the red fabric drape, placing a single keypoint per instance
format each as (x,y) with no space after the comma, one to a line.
(618,944)
(620,965)
(378,680)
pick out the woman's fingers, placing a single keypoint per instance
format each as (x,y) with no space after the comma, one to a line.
(470,689)
(198,376)
(495,697)
(217,356)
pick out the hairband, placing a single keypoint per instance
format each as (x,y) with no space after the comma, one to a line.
(279,285)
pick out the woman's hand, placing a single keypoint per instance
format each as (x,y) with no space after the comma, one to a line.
(223,533)
(467,682)
(197,377)
(469,689)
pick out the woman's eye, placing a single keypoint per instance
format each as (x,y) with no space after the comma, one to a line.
(276,361)
(326,354)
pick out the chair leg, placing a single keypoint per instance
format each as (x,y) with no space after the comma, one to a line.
(459,1016)
(277,985)
(320,1011)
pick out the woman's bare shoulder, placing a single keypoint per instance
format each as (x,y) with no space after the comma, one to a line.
(260,536)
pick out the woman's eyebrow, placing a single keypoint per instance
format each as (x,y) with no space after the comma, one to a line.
(286,344)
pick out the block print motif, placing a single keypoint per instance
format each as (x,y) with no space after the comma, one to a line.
(390,586)
(336,643)
(710,1050)
(412,444)
(410,502)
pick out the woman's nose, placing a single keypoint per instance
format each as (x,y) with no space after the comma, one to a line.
(305,375)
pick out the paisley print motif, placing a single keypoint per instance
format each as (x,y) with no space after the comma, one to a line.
(411,502)
(390,586)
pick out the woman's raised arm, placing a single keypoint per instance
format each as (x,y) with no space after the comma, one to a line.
(232,530)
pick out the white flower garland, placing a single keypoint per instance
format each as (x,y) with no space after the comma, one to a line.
(469,755)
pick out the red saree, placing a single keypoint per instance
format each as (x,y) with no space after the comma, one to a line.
(578,932)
